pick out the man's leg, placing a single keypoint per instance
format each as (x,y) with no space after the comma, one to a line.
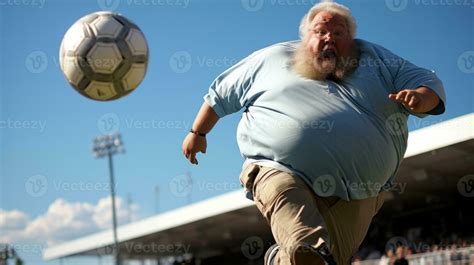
(290,207)
(301,221)
(348,223)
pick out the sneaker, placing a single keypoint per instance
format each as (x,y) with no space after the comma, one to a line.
(323,252)
(271,254)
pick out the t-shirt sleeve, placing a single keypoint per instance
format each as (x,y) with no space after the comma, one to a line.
(229,91)
(406,75)
(409,76)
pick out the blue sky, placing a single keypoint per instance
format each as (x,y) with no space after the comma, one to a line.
(47,128)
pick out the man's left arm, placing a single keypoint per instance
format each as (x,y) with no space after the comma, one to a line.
(419,100)
(417,89)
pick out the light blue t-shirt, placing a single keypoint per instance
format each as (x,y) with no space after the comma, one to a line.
(344,139)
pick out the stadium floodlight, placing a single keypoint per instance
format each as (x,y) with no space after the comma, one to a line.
(109,145)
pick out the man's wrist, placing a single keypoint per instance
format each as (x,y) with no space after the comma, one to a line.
(429,98)
(197,133)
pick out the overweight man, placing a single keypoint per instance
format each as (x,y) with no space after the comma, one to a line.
(323,132)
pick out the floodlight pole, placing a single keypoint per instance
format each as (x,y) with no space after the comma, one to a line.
(110,145)
(114,213)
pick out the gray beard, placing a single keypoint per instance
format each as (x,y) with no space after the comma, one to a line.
(308,66)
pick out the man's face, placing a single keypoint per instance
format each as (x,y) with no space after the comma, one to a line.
(328,40)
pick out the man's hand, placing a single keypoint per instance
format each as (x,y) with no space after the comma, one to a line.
(420,100)
(192,144)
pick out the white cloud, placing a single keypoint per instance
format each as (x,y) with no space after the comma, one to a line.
(62,221)
(12,220)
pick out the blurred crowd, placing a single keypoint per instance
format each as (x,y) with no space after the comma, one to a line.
(452,253)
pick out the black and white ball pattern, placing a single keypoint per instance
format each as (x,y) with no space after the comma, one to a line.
(104,56)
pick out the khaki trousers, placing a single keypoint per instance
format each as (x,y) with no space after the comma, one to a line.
(298,217)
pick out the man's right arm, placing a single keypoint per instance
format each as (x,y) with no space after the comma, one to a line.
(227,94)
(203,124)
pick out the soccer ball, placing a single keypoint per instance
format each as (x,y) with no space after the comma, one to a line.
(104,56)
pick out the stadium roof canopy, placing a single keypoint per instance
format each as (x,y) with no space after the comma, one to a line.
(444,150)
